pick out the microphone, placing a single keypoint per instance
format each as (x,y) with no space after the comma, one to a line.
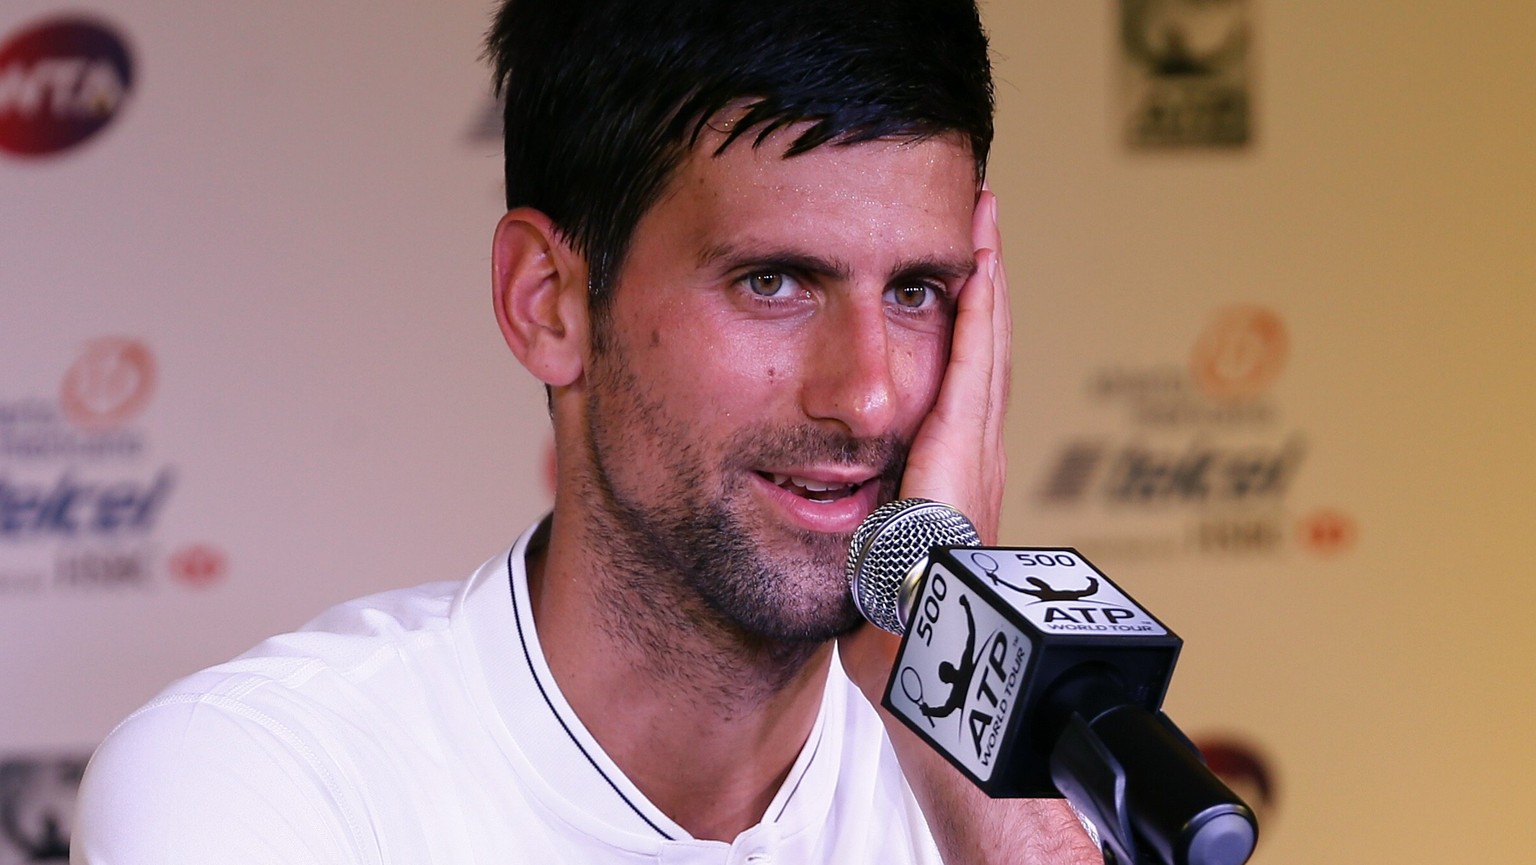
(1036,676)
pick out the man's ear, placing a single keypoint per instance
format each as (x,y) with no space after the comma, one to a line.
(539,289)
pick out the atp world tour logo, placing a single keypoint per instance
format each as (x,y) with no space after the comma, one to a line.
(968,695)
(1062,592)
(985,621)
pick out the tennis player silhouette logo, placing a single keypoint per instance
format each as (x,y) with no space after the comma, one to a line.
(957,675)
(1046,592)
(1041,589)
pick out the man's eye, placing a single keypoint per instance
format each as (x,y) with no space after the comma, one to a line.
(915,296)
(767,284)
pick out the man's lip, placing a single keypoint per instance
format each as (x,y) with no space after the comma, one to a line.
(837,516)
(839,476)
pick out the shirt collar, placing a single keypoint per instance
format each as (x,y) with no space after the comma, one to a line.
(561,762)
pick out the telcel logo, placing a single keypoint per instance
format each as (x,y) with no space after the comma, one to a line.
(61,82)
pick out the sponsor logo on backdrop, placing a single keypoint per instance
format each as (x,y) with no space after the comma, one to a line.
(1195,457)
(37,806)
(108,384)
(1185,72)
(1240,354)
(1326,531)
(198,565)
(82,495)
(62,81)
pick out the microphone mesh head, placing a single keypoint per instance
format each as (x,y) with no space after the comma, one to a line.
(889,543)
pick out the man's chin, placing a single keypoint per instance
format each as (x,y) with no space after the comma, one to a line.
(808,630)
(800,598)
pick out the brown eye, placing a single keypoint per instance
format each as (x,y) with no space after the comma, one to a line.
(766,284)
(773,285)
(912,296)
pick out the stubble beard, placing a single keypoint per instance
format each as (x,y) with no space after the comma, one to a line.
(685,557)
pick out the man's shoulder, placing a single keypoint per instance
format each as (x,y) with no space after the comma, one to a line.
(290,737)
(352,641)
(329,669)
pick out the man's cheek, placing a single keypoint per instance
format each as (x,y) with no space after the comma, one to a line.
(923,373)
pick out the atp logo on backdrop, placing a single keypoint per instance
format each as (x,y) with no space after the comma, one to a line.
(62,81)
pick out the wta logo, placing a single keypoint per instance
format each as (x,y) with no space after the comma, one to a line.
(61,82)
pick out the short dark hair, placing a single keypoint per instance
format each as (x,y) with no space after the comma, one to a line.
(605,98)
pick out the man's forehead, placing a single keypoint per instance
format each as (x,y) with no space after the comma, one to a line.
(739,121)
(749,162)
(723,133)
(888,206)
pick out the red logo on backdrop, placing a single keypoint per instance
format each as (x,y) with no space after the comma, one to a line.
(109,384)
(61,82)
(199,565)
(1240,353)
(1244,768)
(1327,532)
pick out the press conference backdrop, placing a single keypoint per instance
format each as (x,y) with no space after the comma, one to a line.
(1274,270)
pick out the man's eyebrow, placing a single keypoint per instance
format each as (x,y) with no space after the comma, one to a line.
(731,256)
(944,269)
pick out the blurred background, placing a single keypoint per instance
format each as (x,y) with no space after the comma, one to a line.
(1275,275)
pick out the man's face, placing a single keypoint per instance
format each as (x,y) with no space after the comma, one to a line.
(777,334)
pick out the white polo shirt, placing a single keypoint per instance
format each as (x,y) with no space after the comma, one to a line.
(422,726)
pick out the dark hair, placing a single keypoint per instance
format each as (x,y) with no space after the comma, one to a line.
(604,98)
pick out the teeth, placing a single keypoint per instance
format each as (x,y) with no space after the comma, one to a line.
(814,486)
(810,486)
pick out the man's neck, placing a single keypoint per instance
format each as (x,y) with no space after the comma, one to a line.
(705,722)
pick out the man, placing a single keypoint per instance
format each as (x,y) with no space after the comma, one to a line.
(749,253)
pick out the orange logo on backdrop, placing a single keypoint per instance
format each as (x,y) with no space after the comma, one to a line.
(109,384)
(1240,353)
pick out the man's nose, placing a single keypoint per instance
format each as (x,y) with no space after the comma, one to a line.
(852,378)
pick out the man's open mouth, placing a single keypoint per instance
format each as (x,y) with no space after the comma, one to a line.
(816,491)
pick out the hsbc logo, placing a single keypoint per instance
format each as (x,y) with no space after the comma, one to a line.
(62,81)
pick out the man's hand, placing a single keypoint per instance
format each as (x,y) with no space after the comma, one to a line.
(958,458)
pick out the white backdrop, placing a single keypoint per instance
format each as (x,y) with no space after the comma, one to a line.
(282,236)
(291,213)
